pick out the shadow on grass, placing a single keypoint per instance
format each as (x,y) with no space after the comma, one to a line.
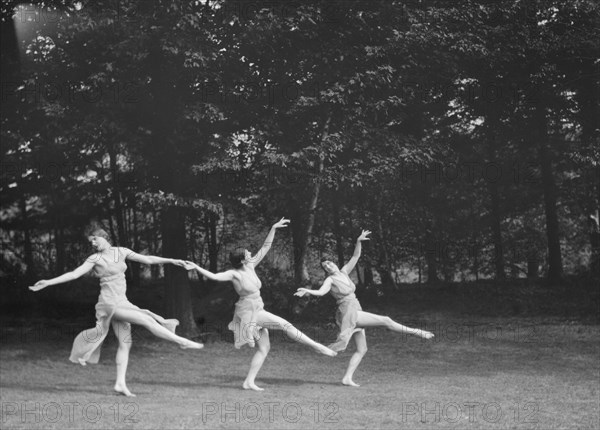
(62,388)
(231,381)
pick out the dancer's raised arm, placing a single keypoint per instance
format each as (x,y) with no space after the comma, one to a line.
(257,258)
(66,277)
(223,276)
(320,292)
(357,250)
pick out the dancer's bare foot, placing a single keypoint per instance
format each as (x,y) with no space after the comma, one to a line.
(423,333)
(251,386)
(188,344)
(82,361)
(349,382)
(122,389)
(325,351)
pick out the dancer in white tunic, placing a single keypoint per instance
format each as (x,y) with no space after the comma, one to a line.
(108,264)
(250,320)
(350,317)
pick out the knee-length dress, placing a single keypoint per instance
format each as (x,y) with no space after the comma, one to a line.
(244,325)
(111,272)
(346,314)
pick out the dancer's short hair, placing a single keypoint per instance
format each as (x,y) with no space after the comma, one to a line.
(97,231)
(326,258)
(237,257)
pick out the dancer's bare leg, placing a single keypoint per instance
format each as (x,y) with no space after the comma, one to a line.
(366,319)
(123,332)
(264,345)
(135,317)
(361,349)
(267,319)
(170,324)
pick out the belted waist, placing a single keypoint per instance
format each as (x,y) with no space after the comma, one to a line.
(112,278)
(251,296)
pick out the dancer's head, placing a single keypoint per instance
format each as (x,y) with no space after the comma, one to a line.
(98,238)
(238,257)
(328,266)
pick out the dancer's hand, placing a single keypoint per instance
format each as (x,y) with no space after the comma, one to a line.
(281,223)
(301,292)
(363,236)
(39,285)
(188,265)
(179,263)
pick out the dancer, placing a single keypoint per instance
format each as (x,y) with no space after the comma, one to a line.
(250,321)
(350,317)
(108,264)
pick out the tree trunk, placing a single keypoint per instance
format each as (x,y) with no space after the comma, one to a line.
(432,275)
(30,271)
(300,241)
(11,64)
(594,228)
(114,169)
(178,299)
(496,231)
(111,226)
(153,239)
(58,236)
(368,273)
(387,277)
(431,252)
(493,126)
(532,268)
(135,267)
(213,245)
(587,97)
(169,176)
(359,277)
(302,231)
(474,250)
(60,249)
(337,231)
(550,200)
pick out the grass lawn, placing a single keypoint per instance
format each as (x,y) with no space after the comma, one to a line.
(494,373)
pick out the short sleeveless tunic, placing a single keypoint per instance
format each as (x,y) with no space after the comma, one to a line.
(244,326)
(347,313)
(86,346)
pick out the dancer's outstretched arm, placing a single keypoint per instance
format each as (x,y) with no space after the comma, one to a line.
(257,258)
(69,276)
(357,250)
(320,292)
(150,259)
(223,276)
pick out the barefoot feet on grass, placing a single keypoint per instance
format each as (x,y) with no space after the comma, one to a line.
(191,345)
(349,382)
(251,386)
(424,334)
(122,389)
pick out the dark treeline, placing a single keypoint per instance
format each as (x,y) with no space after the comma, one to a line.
(464,134)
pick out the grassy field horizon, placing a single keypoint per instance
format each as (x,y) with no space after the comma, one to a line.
(478,372)
(503,357)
